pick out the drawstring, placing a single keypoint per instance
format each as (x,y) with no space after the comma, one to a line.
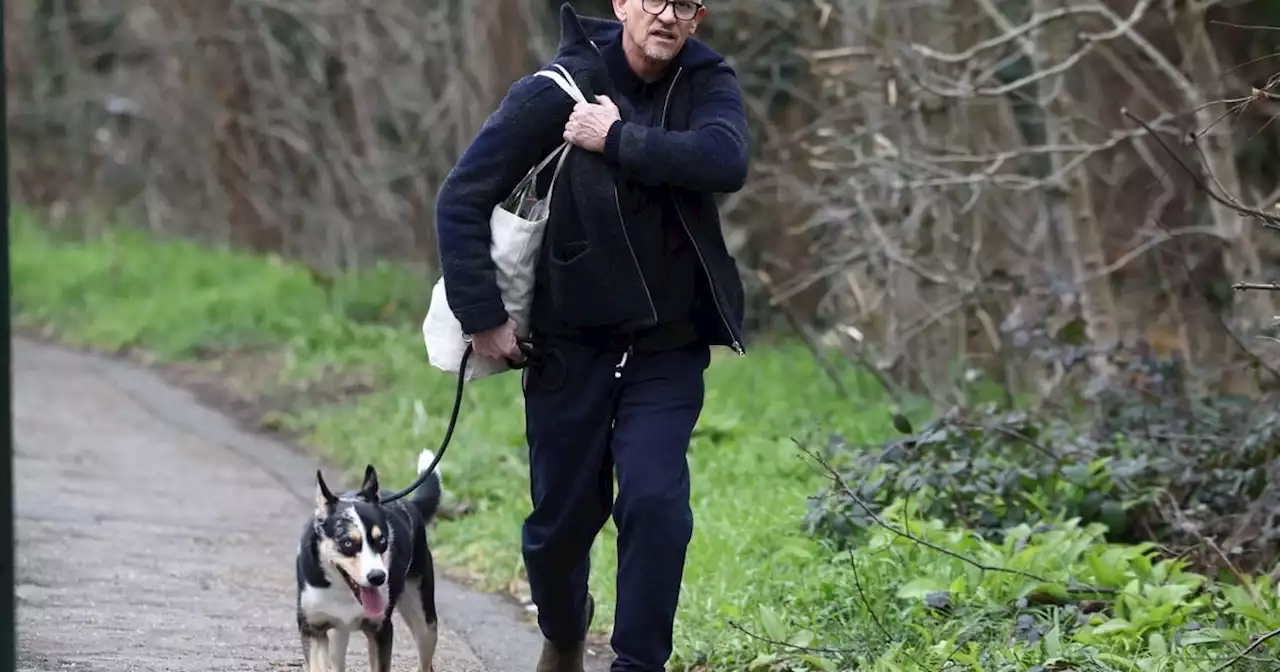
(622,363)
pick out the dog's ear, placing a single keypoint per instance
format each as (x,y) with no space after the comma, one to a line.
(324,498)
(369,490)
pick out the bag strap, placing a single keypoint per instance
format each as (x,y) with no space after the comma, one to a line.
(564,81)
(570,87)
(566,84)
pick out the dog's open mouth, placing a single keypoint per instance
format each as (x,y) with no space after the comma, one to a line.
(369,597)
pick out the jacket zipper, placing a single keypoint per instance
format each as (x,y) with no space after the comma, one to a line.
(715,296)
(622,223)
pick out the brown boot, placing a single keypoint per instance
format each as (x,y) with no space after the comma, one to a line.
(571,659)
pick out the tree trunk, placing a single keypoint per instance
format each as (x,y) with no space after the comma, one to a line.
(1070,206)
(223,68)
(1250,311)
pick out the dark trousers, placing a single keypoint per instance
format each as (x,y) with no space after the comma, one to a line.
(586,412)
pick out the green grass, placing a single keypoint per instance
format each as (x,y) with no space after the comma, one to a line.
(175,300)
(749,563)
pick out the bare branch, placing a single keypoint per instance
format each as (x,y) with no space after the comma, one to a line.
(1269,221)
(1264,286)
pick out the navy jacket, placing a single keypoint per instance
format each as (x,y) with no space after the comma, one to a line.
(589,277)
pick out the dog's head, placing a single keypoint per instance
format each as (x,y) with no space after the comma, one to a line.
(355,540)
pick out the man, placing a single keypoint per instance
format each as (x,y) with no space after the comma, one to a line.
(635,284)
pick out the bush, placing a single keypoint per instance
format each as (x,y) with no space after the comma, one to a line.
(1151,463)
(918,594)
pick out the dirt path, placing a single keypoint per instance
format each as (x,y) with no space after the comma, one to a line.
(155,535)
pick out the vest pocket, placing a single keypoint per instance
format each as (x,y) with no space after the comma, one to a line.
(568,253)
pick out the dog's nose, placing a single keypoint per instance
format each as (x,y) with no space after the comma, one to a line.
(377,577)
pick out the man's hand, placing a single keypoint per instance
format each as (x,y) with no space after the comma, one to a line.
(497,343)
(589,124)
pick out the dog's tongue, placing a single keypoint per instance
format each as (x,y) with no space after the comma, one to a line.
(371,599)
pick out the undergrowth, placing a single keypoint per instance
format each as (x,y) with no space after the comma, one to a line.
(925,578)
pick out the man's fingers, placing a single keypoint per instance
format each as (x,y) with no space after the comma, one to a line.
(512,347)
(499,353)
(571,132)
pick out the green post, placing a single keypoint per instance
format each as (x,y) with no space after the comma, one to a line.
(8,615)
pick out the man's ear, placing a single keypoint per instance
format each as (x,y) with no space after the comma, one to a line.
(369,490)
(698,19)
(324,498)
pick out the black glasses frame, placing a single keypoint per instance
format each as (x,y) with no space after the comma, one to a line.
(644,4)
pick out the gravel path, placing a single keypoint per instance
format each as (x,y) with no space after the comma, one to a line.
(153,534)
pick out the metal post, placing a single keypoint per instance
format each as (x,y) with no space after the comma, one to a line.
(8,615)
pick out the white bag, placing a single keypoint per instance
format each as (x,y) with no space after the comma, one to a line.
(516,241)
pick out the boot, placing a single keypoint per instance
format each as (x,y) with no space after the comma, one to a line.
(571,659)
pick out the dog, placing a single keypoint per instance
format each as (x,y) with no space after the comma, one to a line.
(360,560)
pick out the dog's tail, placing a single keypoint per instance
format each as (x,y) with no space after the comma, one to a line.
(427,497)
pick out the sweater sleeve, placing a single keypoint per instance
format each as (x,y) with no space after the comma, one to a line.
(711,156)
(528,124)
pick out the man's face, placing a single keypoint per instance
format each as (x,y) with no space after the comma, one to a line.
(658,27)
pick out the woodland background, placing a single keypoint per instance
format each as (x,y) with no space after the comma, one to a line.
(1044,233)
(933,181)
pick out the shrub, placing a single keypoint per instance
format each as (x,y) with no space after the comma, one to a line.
(1150,463)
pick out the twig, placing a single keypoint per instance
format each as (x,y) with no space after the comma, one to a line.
(788,645)
(849,492)
(1088,40)
(1250,649)
(1269,221)
(1013,434)
(866,602)
(857,583)
(1264,286)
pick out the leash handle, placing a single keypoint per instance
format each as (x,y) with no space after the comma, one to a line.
(528,350)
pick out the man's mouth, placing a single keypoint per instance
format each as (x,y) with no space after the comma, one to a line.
(369,597)
(664,35)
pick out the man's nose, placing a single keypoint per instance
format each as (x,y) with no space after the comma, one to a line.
(668,14)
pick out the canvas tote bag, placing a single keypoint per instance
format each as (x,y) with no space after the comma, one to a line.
(517,225)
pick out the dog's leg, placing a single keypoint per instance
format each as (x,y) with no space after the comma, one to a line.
(306,643)
(338,640)
(417,608)
(380,641)
(318,653)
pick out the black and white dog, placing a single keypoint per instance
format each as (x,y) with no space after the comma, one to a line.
(359,560)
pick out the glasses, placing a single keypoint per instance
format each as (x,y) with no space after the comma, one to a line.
(684,10)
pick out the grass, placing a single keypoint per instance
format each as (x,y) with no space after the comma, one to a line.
(176,301)
(759,593)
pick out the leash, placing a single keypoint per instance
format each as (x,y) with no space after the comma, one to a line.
(530,353)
